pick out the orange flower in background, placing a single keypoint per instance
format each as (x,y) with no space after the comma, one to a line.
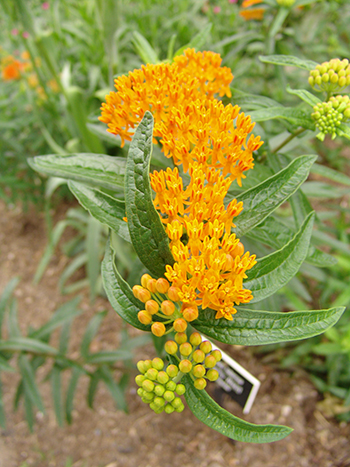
(12,69)
(253,13)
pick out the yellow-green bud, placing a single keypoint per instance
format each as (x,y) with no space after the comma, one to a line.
(198,371)
(195,339)
(147,397)
(140,392)
(148,385)
(325,77)
(159,390)
(181,337)
(152,374)
(198,356)
(172,370)
(159,401)
(185,366)
(217,355)
(347,112)
(170,386)
(177,402)
(205,346)
(318,80)
(180,325)
(342,82)
(169,396)
(141,366)
(139,380)
(186,349)
(209,361)
(169,408)
(147,364)
(170,347)
(180,389)
(200,383)
(212,375)
(311,81)
(158,363)
(162,377)
(180,408)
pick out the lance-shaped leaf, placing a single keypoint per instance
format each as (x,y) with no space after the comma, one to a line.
(255,327)
(119,292)
(275,270)
(261,200)
(304,95)
(103,207)
(146,229)
(288,60)
(217,418)
(291,114)
(94,169)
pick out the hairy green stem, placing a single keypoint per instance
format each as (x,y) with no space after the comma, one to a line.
(288,139)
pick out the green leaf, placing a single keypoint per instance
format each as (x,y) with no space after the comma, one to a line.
(108,210)
(103,134)
(2,411)
(344,130)
(288,60)
(144,49)
(90,332)
(275,270)
(76,373)
(113,387)
(255,327)
(79,261)
(30,386)
(119,292)
(304,95)
(293,115)
(93,241)
(4,365)
(94,169)
(27,344)
(251,101)
(64,313)
(93,385)
(217,418)
(28,409)
(146,229)
(198,41)
(260,201)
(110,356)
(56,387)
(12,320)
(5,296)
(332,174)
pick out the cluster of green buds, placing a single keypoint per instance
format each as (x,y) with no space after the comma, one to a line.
(329,115)
(196,357)
(286,3)
(330,76)
(162,301)
(159,388)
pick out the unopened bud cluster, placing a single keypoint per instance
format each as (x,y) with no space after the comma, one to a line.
(162,301)
(330,76)
(329,115)
(157,386)
(198,358)
(286,3)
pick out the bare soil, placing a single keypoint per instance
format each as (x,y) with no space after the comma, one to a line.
(106,436)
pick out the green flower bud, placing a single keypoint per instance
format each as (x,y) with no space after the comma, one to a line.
(140,392)
(342,82)
(158,364)
(162,377)
(334,78)
(205,347)
(180,408)
(171,386)
(217,355)
(180,389)
(172,371)
(159,390)
(347,112)
(177,402)
(195,339)
(141,366)
(139,380)
(170,347)
(325,77)
(169,396)
(147,397)
(152,374)
(186,349)
(210,361)
(212,375)
(200,383)
(159,401)
(148,385)
(198,371)
(147,364)
(181,337)
(185,366)
(311,81)
(169,408)
(318,80)
(198,356)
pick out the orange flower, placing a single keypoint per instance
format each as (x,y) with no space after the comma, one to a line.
(12,71)
(254,13)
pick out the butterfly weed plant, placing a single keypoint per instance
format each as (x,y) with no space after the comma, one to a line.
(186,224)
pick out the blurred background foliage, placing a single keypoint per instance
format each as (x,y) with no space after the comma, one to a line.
(58,60)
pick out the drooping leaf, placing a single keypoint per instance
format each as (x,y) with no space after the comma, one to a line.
(304,95)
(56,387)
(94,169)
(217,418)
(4,365)
(255,327)
(2,411)
(72,386)
(5,296)
(275,270)
(30,386)
(27,344)
(103,207)
(144,48)
(147,233)
(93,240)
(90,332)
(93,385)
(260,201)
(288,60)
(119,292)
(116,392)
(110,356)
(294,116)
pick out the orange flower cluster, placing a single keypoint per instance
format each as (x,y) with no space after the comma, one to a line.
(12,68)
(252,13)
(209,141)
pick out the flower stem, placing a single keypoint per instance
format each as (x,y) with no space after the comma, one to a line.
(288,139)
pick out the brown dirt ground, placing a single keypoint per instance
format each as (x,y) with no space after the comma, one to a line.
(107,437)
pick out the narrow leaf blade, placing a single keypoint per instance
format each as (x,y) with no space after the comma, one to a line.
(288,60)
